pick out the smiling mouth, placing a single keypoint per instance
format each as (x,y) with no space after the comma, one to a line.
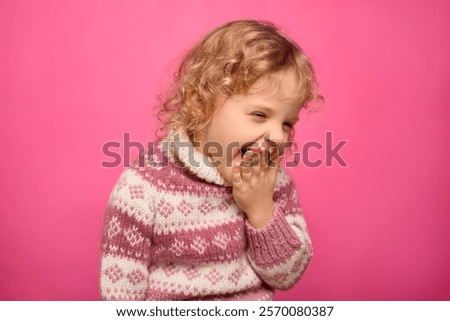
(246,146)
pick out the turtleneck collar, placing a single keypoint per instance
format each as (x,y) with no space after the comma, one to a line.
(180,147)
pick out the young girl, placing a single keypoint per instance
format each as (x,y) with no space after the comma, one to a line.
(209,213)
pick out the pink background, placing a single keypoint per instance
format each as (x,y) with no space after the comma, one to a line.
(76,74)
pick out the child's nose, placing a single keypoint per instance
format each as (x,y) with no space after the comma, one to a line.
(275,137)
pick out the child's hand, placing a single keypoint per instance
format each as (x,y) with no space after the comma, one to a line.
(253,183)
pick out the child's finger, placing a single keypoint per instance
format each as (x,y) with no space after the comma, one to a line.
(246,169)
(275,164)
(250,160)
(255,165)
(236,174)
(274,159)
(264,158)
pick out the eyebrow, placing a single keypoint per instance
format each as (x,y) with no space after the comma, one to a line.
(270,110)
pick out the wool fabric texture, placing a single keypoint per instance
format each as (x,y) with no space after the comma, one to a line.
(172,231)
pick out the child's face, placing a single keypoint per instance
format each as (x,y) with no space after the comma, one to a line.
(249,118)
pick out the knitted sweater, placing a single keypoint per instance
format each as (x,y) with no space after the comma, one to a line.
(174,232)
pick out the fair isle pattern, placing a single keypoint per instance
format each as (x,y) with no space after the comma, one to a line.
(175,233)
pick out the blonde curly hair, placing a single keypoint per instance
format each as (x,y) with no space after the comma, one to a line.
(227,61)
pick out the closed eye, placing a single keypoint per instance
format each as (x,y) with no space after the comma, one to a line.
(259,115)
(289,125)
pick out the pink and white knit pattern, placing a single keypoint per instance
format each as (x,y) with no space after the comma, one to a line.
(175,233)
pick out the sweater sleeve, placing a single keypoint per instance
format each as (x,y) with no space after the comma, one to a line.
(280,252)
(126,239)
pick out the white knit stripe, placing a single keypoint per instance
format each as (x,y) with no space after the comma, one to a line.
(133,195)
(294,221)
(178,225)
(175,212)
(297,219)
(206,279)
(122,273)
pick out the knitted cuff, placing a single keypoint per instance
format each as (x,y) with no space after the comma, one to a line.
(273,244)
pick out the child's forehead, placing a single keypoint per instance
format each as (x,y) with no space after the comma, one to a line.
(283,86)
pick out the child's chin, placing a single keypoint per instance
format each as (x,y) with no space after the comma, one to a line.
(226,170)
(226,173)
